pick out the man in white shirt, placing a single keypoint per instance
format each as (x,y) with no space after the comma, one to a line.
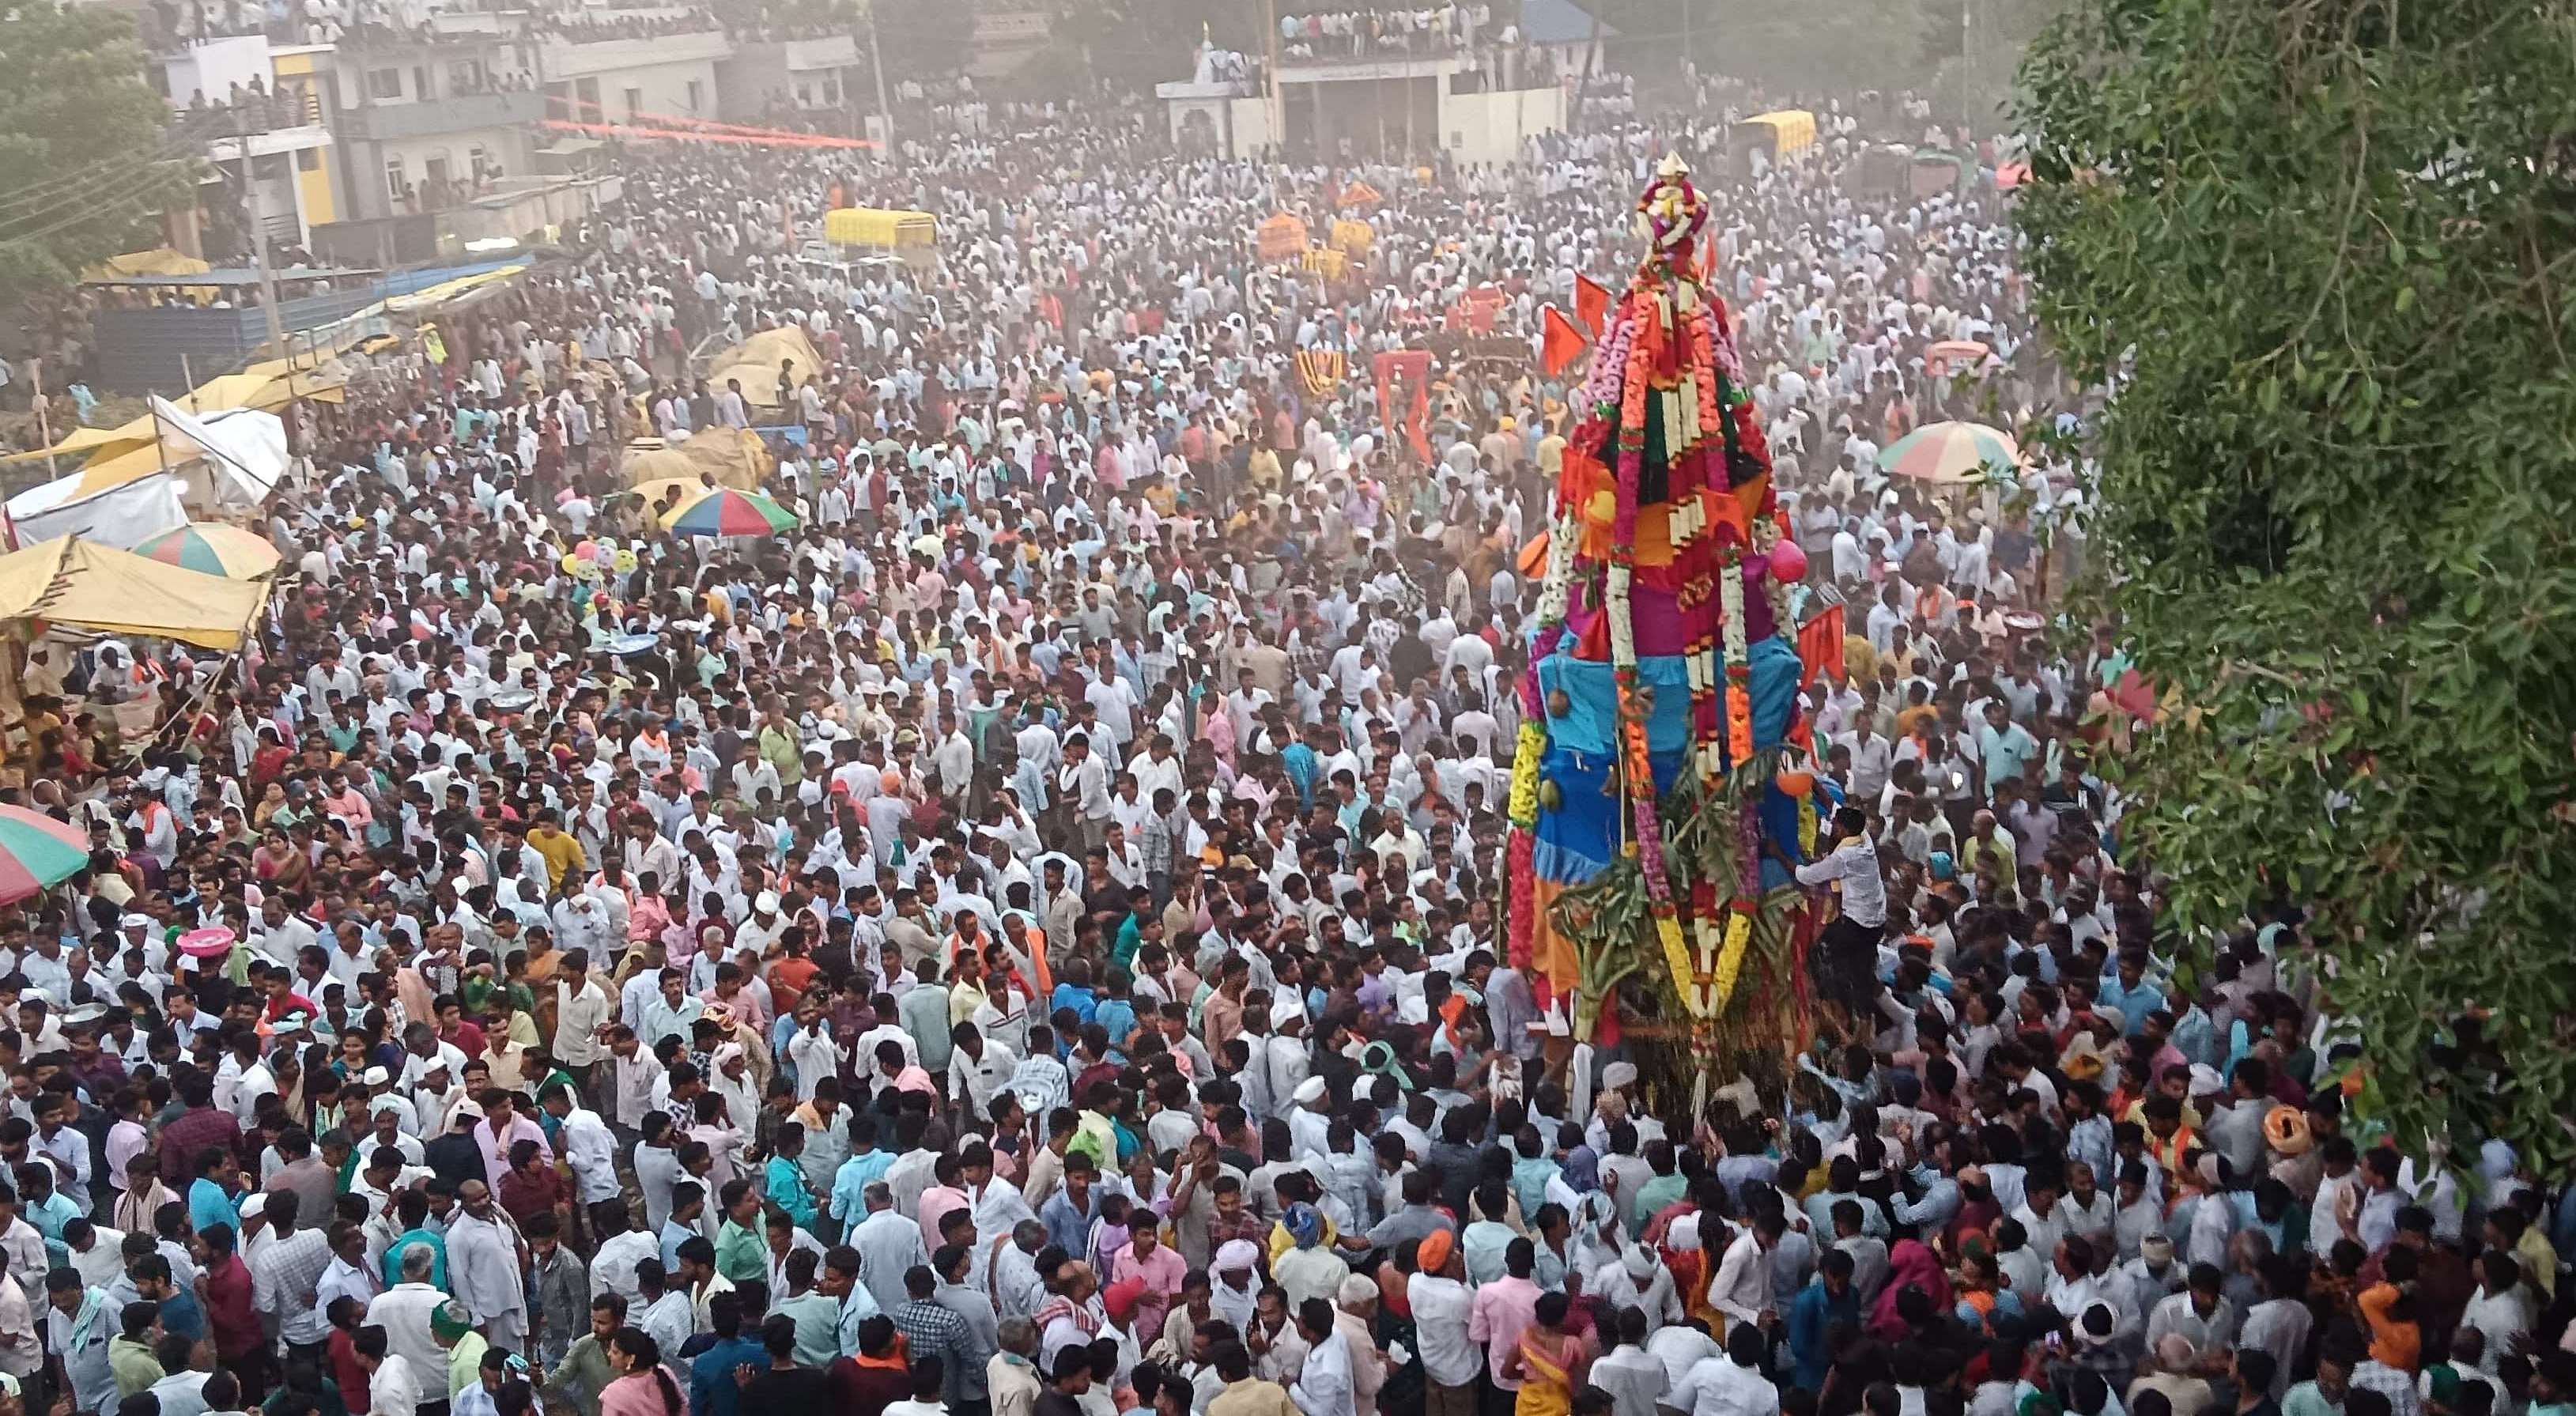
(1848,977)
(393,1380)
(587,1145)
(1742,1288)
(1732,1385)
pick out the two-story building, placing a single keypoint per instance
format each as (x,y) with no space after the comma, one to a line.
(1353,85)
(426,119)
(262,111)
(633,66)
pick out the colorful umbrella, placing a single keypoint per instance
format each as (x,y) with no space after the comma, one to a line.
(37,851)
(1949,454)
(726,512)
(212,548)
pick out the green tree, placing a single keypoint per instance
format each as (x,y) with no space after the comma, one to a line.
(2324,252)
(81,139)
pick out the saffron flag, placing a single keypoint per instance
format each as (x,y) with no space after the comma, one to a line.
(1591,302)
(1820,645)
(1561,344)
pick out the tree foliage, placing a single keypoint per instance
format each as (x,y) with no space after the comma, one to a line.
(2323,248)
(81,141)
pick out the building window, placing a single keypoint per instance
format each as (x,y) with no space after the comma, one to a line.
(634,103)
(394,178)
(384,83)
(308,159)
(693,95)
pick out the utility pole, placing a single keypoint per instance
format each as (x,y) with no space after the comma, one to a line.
(885,111)
(1278,105)
(259,239)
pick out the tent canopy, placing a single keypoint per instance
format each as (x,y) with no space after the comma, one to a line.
(80,583)
(755,363)
(160,260)
(268,386)
(733,456)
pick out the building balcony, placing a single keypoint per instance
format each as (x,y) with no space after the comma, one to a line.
(394,122)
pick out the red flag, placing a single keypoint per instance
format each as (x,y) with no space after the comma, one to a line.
(1820,645)
(1562,343)
(1591,302)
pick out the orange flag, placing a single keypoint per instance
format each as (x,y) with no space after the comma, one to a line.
(1820,645)
(1562,343)
(1591,302)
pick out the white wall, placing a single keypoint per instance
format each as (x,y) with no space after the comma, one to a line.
(1489,127)
(1250,118)
(215,66)
(664,89)
(509,146)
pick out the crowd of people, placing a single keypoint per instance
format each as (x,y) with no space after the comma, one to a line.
(1022,942)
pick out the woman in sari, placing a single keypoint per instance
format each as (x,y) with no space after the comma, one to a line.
(279,864)
(1550,1363)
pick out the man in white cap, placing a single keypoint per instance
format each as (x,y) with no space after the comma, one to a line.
(1310,1120)
(756,934)
(1638,1279)
(1234,1282)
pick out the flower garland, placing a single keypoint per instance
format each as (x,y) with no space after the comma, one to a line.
(1527,748)
(1730,963)
(1521,939)
(1748,886)
(1739,666)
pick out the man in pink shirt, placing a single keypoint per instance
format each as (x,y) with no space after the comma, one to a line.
(1504,1309)
(943,1195)
(1151,1263)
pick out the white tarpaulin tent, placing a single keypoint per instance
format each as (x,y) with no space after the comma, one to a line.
(122,516)
(245,448)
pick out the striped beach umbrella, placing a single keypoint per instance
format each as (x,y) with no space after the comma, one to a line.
(1950,454)
(37,851)
(722,511)
(212,548)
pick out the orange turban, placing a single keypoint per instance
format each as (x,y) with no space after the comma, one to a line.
(1434,1251)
